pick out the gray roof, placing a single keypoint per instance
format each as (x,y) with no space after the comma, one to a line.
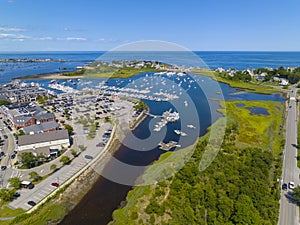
(43,137)
(39,128)
(22,119)
(44,115)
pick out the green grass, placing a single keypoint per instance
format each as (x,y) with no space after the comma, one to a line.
(258,130)
(5,211)
(251,87)
(125,72)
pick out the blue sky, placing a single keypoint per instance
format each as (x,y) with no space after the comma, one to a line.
(43,25)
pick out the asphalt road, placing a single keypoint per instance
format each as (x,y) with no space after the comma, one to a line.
(289,211)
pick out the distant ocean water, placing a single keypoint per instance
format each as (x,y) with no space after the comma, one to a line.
(213,59)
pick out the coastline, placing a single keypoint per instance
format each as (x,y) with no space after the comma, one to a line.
(49,76)
(249,87)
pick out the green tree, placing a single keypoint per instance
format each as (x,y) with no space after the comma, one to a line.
(34,176)
(82,147)
(28,160)
(4,102)
(296,194)
(5,194)
(53,167)
(74,152)
(21,132)
(140,106)
(65,159)
(15,182)
(69,128)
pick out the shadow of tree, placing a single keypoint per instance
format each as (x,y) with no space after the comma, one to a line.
(290,196)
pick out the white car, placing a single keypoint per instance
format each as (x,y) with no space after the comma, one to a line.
(291,185)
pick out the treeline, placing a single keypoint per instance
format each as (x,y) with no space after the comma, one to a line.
(239,187)
(235,189)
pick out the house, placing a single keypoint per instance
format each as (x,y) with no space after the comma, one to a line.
(284,82)
(51,140)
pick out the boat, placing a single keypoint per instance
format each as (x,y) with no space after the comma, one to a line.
(191,126)
(185,103)
(177,132)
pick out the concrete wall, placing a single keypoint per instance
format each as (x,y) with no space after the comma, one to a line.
(65,143)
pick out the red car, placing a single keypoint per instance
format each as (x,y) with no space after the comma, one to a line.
(55,184)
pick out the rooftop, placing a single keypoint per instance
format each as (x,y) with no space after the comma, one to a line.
(43,137)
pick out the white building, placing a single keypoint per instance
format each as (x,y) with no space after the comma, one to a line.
(52,140)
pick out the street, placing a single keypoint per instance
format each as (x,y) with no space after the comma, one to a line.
(289,211)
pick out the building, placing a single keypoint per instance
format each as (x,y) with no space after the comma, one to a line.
(41,128)
(26,114)
(58,139)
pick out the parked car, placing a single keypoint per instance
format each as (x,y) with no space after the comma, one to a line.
(88,157)
(5,136)
(2,154)
(3,167)
(284,186)
(291,185)
(16,195)
(54,184)
(100,144)
(32,203)
(13,156)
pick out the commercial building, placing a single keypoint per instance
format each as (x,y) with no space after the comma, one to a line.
(44,142)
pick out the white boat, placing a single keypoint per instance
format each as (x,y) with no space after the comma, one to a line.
(191,126)
(177,132)
(185,103)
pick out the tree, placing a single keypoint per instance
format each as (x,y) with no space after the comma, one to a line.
(74,152)
(69,128)
(21,132)
(4,102)
(296,194)
(15,182)
(107,119)
(140,106)
(28,159)
(53,167)
(82,147)
(65,159)
(34,176)
(5,194)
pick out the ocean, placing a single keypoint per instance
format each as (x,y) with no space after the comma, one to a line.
(213,60)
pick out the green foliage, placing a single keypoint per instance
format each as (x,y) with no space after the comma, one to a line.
(15,182)
(296,194)
(140,106)
(21,132)
(65,159)
(4,102)
(5,194)
(69,128)
(82,147)
(28,160)
(74,152)
(34,176)
(53,167)
(239,187)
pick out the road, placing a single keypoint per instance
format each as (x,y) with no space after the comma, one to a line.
(289,211)
(8,148)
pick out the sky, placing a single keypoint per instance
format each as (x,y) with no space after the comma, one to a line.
(96,25)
